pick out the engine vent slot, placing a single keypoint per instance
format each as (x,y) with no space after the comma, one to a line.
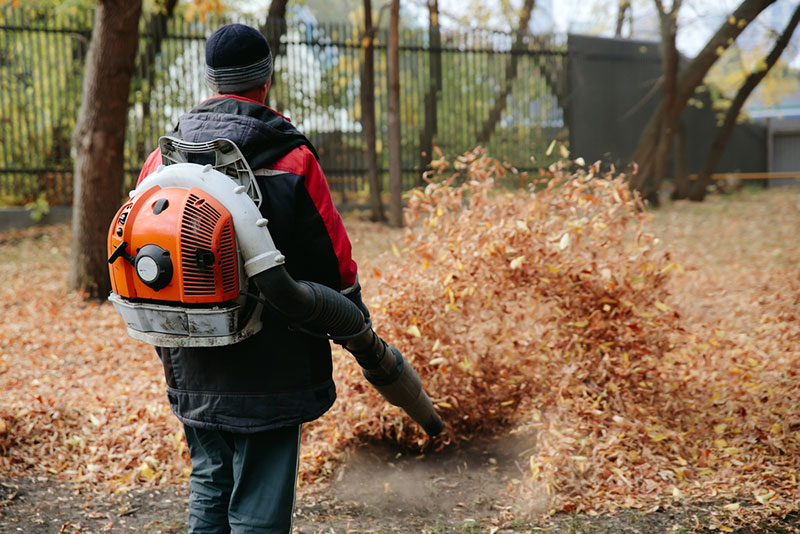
(197,236)
(228,260)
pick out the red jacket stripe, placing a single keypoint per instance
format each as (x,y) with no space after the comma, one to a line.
(302,161)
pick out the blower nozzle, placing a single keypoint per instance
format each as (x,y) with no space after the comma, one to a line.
(318,307)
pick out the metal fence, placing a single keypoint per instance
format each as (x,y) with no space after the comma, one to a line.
(455,95)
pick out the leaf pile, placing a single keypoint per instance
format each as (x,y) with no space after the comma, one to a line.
(493,288)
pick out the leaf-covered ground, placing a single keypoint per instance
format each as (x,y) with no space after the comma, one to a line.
(655,356)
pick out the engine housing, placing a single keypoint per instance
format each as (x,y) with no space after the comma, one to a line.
(179,246)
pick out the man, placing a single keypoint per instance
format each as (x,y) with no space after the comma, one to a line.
(242,405)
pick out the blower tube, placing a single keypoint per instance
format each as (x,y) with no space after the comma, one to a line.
(308,304)
(319,307)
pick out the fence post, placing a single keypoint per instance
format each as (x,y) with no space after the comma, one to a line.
(368,115)
(434,86)
(395,162)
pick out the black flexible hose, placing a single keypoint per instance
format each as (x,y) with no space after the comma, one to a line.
(333,312)
(319,307)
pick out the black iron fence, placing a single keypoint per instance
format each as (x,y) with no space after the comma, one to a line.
(458,90)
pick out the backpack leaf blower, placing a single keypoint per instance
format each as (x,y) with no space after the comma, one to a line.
(190,247)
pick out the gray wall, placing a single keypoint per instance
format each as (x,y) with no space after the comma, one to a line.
(613,93)
(783,148)
(14,217)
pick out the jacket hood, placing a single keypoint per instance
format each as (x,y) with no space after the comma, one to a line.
(263,135)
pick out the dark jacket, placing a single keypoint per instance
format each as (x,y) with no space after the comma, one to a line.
(277,377)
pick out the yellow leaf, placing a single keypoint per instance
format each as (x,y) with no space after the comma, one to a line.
(536,467)
(776,429)
(443,404)
(414,331)
(395,251)
(507,403)
(764,498)
(550,148)
(720,428)
(723,528)
(581,324)
(580,161)
(732,506)
(661,306)
(517,262)
(563,151)
(146,471)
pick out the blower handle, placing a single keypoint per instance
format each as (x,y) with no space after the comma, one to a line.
(121,252)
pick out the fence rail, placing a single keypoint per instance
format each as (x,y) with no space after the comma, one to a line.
(457,90)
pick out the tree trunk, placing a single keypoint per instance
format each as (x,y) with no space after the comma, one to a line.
(511,73)
(368,117)
(656,139)
(146,63)
(623,8)
(274,29)
(395,159)
(276,25)
(751,82)
(434,87)
(99,141)
(671,112)
(681,190)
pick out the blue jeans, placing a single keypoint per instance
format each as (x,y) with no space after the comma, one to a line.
(242,483)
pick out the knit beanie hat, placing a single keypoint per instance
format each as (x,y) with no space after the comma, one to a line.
(237,59)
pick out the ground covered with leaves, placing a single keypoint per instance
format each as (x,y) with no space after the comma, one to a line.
(643,362)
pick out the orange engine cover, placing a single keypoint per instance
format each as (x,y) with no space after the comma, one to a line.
(193,234)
